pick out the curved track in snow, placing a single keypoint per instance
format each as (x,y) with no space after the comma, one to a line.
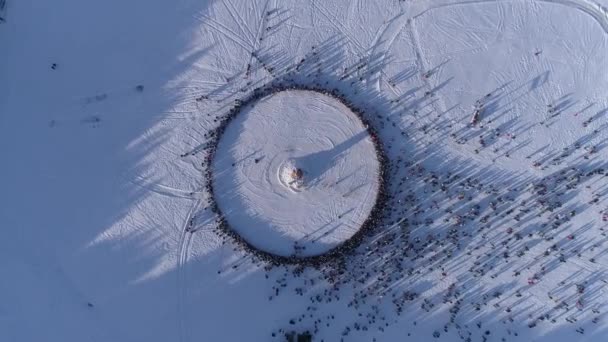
(384,42)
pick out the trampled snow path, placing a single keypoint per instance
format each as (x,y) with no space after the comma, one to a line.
(268,140)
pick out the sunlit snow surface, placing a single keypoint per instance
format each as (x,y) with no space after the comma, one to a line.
(103,200)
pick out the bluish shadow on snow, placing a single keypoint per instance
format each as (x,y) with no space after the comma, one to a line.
(68,234)
(317,164)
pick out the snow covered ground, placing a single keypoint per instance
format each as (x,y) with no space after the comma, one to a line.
(104,113)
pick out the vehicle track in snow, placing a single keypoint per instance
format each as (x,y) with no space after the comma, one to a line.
(384,43)
(598,12)
(182,255)
(185,237)
(595,10)
(382,46)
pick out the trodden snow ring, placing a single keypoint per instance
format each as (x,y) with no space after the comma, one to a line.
(262,146)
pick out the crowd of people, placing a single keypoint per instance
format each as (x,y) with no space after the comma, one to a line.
(223,226)
(430,222)
(520,232)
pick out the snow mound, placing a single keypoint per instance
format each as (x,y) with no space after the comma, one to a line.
(296,173)
(291,176)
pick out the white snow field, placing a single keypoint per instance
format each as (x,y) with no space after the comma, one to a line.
(266,143)
(495,226)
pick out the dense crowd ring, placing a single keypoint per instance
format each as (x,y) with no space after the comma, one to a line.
(373,220)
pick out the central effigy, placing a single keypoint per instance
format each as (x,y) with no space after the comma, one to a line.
(291,176)
(295,173)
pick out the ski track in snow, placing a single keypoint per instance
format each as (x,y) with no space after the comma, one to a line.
(164,190)
(182,252)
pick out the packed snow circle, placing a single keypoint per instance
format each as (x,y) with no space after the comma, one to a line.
(295,174)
